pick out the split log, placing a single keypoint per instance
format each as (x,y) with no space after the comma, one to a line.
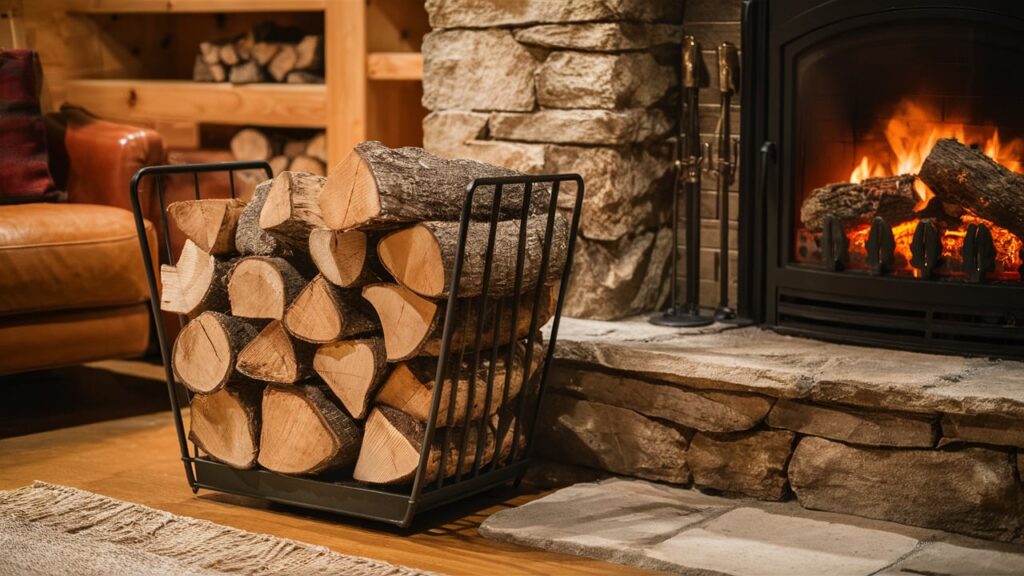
(891,198)
(317,147)
(263,287)
(264,52)
(227,54)
(209,52)
(250,239)
(392,442)
(412,324)
(309,53)
(279,164)
(410,387)
(226,424)
(283,62)
(347,259)
(303,163)
(207,348)
(251,144)
(962,176)
(274,356)
(210,224)
(379,186)
(244,45)
(303,77)
(292,209)
(247,72)
(353,370)
(304,433)
(322,312)
(292,148)
(422,258)
(203,71)
(195,283)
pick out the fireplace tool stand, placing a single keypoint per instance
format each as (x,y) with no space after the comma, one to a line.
(687,165)
(723,169)
(460,358)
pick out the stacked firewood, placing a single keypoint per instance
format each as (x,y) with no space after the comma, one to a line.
(316,313)
(284,151)
(267,53)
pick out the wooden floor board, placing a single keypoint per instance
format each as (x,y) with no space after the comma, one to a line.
(135,459)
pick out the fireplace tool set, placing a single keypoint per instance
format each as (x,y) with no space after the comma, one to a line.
(690,161)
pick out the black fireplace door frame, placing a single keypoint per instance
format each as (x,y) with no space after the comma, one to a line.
(886,311)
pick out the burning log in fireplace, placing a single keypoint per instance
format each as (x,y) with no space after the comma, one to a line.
(890,198)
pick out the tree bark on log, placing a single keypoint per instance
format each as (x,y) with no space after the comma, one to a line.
(322,313)
(346,258)
(195,283)
(962,176)
(353,370)
(292,209)
(422,258)
(263,287)
(303,163)
(250,239)
(891,198)
(392,441)
(380,186)
(274,356)
(412,325)
(304,433)
(226,424)
(206,351)
(410,387)
(210,224)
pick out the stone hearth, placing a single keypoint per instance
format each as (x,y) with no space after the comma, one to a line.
(925,440)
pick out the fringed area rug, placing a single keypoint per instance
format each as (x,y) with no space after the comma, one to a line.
(47,530)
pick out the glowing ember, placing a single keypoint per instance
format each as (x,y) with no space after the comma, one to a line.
(910,136)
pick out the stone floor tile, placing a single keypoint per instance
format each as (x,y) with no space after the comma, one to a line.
(749,541)
(961,557)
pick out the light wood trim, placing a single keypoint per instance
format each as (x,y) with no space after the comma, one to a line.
(286,105)
(394,66)
(345,57)
(194,6)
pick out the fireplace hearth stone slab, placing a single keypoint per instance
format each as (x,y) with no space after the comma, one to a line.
(686,532)
(758,360)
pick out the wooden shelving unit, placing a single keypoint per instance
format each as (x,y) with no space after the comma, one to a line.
(129,60)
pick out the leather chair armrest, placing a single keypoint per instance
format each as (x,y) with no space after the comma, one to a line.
(104,155)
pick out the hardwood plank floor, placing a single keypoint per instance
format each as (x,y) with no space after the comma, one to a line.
(135,459)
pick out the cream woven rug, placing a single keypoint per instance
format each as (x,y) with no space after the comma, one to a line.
(47,529)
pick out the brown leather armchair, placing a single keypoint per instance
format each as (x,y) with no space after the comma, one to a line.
(72,284)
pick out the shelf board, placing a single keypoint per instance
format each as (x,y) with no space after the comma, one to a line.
(192,6)
(285,105)
(394,66)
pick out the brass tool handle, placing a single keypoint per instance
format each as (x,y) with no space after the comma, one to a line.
(728,68)
(691,62)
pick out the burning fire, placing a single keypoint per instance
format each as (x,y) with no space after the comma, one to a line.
(911,134)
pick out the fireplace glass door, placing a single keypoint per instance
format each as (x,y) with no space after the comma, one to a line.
(893,204)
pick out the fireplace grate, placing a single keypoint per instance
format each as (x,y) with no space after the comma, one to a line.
(921,327)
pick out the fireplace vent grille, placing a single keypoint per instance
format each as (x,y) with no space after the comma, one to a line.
(919,328)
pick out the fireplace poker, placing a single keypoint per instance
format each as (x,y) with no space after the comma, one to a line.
(723,168)
(686,175)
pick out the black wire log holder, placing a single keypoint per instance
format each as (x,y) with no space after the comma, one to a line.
(399,504)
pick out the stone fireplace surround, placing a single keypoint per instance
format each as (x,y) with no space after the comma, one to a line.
(587,86)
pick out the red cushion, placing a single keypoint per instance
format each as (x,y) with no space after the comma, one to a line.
(24,169)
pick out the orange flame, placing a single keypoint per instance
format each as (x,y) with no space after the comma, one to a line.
(911,134)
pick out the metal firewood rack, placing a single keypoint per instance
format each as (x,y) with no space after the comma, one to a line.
(399,504)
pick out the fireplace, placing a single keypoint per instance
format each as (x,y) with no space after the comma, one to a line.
(885,201)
